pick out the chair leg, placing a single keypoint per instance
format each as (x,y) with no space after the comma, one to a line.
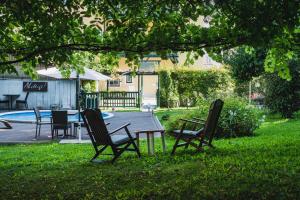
(117,152)
(95,156)
(52,133)
(187,144)
(36,131)
(175,145)
(117,155)
(137,149)
(40,129)
(199,148)
(98,152)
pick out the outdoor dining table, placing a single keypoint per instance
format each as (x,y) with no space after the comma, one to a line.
(11,97)
(150,139)
(76,126)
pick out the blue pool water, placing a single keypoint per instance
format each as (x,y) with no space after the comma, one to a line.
(29,116)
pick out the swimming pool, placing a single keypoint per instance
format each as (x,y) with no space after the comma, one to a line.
(28,116)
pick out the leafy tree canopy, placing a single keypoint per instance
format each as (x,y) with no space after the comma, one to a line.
(48,32)
(245,63)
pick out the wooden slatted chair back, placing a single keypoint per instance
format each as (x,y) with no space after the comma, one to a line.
(212,119)
(96,127)
(59,117)
(26,97)
(37,114)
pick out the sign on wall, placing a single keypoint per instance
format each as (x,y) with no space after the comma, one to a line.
(35,86)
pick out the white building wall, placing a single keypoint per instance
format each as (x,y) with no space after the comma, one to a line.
(60,92)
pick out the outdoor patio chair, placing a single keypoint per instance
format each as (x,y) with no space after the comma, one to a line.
(59,121)
(101,138)
(5,102)
(38,122)
(205,134)
(24,102)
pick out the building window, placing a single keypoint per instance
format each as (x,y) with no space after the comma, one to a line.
(128,78)
(114,83)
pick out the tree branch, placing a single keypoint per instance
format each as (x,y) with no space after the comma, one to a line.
(188,46)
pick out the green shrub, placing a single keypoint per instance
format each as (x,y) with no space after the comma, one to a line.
(167,92)
(237,118)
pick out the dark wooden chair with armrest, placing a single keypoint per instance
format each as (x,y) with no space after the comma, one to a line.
(101,138)
(24,102)
(59,121)
(38,122)
(5,101)
(205,134)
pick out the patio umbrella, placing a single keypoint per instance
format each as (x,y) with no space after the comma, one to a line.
(88,74)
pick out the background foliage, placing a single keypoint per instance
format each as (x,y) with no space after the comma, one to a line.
(237,118)
(191,84)
(245,63)
(34,32)
(281,95)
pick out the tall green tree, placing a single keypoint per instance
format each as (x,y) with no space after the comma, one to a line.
(47,32)
(245,63)
(281,95)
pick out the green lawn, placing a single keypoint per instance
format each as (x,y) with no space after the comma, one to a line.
(266,166)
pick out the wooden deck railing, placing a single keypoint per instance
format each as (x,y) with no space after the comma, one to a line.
(111,99)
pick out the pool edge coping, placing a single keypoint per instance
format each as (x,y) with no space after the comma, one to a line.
(110,115)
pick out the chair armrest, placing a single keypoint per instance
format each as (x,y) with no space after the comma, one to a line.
(191,121)
(116,130)
(196,118)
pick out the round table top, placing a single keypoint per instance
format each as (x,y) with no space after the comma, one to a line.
(11,95)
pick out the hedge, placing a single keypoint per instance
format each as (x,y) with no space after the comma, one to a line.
(184,86)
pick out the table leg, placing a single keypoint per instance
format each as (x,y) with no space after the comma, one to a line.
(79,132)
(148,142)
(163,141)
(152,143)
(138,140)
(11,103)
(71,130)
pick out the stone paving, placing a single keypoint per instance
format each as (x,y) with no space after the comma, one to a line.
(24,133)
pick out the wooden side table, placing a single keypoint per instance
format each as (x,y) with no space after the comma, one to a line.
(150,139)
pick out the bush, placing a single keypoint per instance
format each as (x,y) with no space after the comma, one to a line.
(167,91)
(237,118)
